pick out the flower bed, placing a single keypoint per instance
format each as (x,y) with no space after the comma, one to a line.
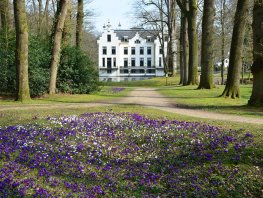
(124,155)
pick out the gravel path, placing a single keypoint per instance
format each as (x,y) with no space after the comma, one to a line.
(147,97)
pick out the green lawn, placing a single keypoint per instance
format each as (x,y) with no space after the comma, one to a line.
(209,100)
(106,93)
(153,82)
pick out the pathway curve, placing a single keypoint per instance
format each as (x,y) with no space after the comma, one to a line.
(147,97)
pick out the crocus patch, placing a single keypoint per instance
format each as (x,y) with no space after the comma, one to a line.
(117,89)
(124,155)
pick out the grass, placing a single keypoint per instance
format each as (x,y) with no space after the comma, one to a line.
(11,117)
(106,93)
(209,100)
(238,184)
(153,82)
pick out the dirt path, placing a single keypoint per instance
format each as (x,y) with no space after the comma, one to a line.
(147,97)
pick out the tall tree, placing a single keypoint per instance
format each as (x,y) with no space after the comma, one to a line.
(79,28)
(207,51)
(67,32)
(5,15)
(5,21)
(193,43)
(184,49)
(21,50)
(223,39)
(174,36)
(56,38)
(191,14)
(236,51)
(256,98)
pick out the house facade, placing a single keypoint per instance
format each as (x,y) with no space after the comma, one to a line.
(133,54)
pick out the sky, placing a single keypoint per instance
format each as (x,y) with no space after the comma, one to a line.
(115,11)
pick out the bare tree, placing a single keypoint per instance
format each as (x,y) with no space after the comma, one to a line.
(235,63)
(56,38)
(191,14)
(207,51)
(160,16)
(67,32)
(21,50)
(184,48)
(80,19)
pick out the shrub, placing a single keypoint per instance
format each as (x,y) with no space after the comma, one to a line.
(7,66)
(77,74)
(39,57)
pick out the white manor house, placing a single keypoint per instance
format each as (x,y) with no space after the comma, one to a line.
(133,54)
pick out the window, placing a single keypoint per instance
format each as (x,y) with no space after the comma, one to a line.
(104,50)
(108,71)
(149,38)
(166,38)
(125,62)
(149,62)
(113,50)
(108,62)
(161,50)
(109,38)
(141,62)
(160,61)
(125,39)
(114,62)
(133,62)
(133,50)
(141,50)
(103,62)
(149,50)
(125,50)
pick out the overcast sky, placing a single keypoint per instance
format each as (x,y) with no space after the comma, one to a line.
(114,10)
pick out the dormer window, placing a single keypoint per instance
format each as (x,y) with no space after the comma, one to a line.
(125,38)
(149,39)
(137,41)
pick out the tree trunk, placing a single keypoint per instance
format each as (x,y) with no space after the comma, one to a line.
(57,37)
(5,15)
(21,50)
(182,49)
(40,8)
(256,98)
(185,49)
(193,43)
(79,28)
(67,32)
(207,51)
(222,21)
(174,35)
(171,51)
(235,61)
